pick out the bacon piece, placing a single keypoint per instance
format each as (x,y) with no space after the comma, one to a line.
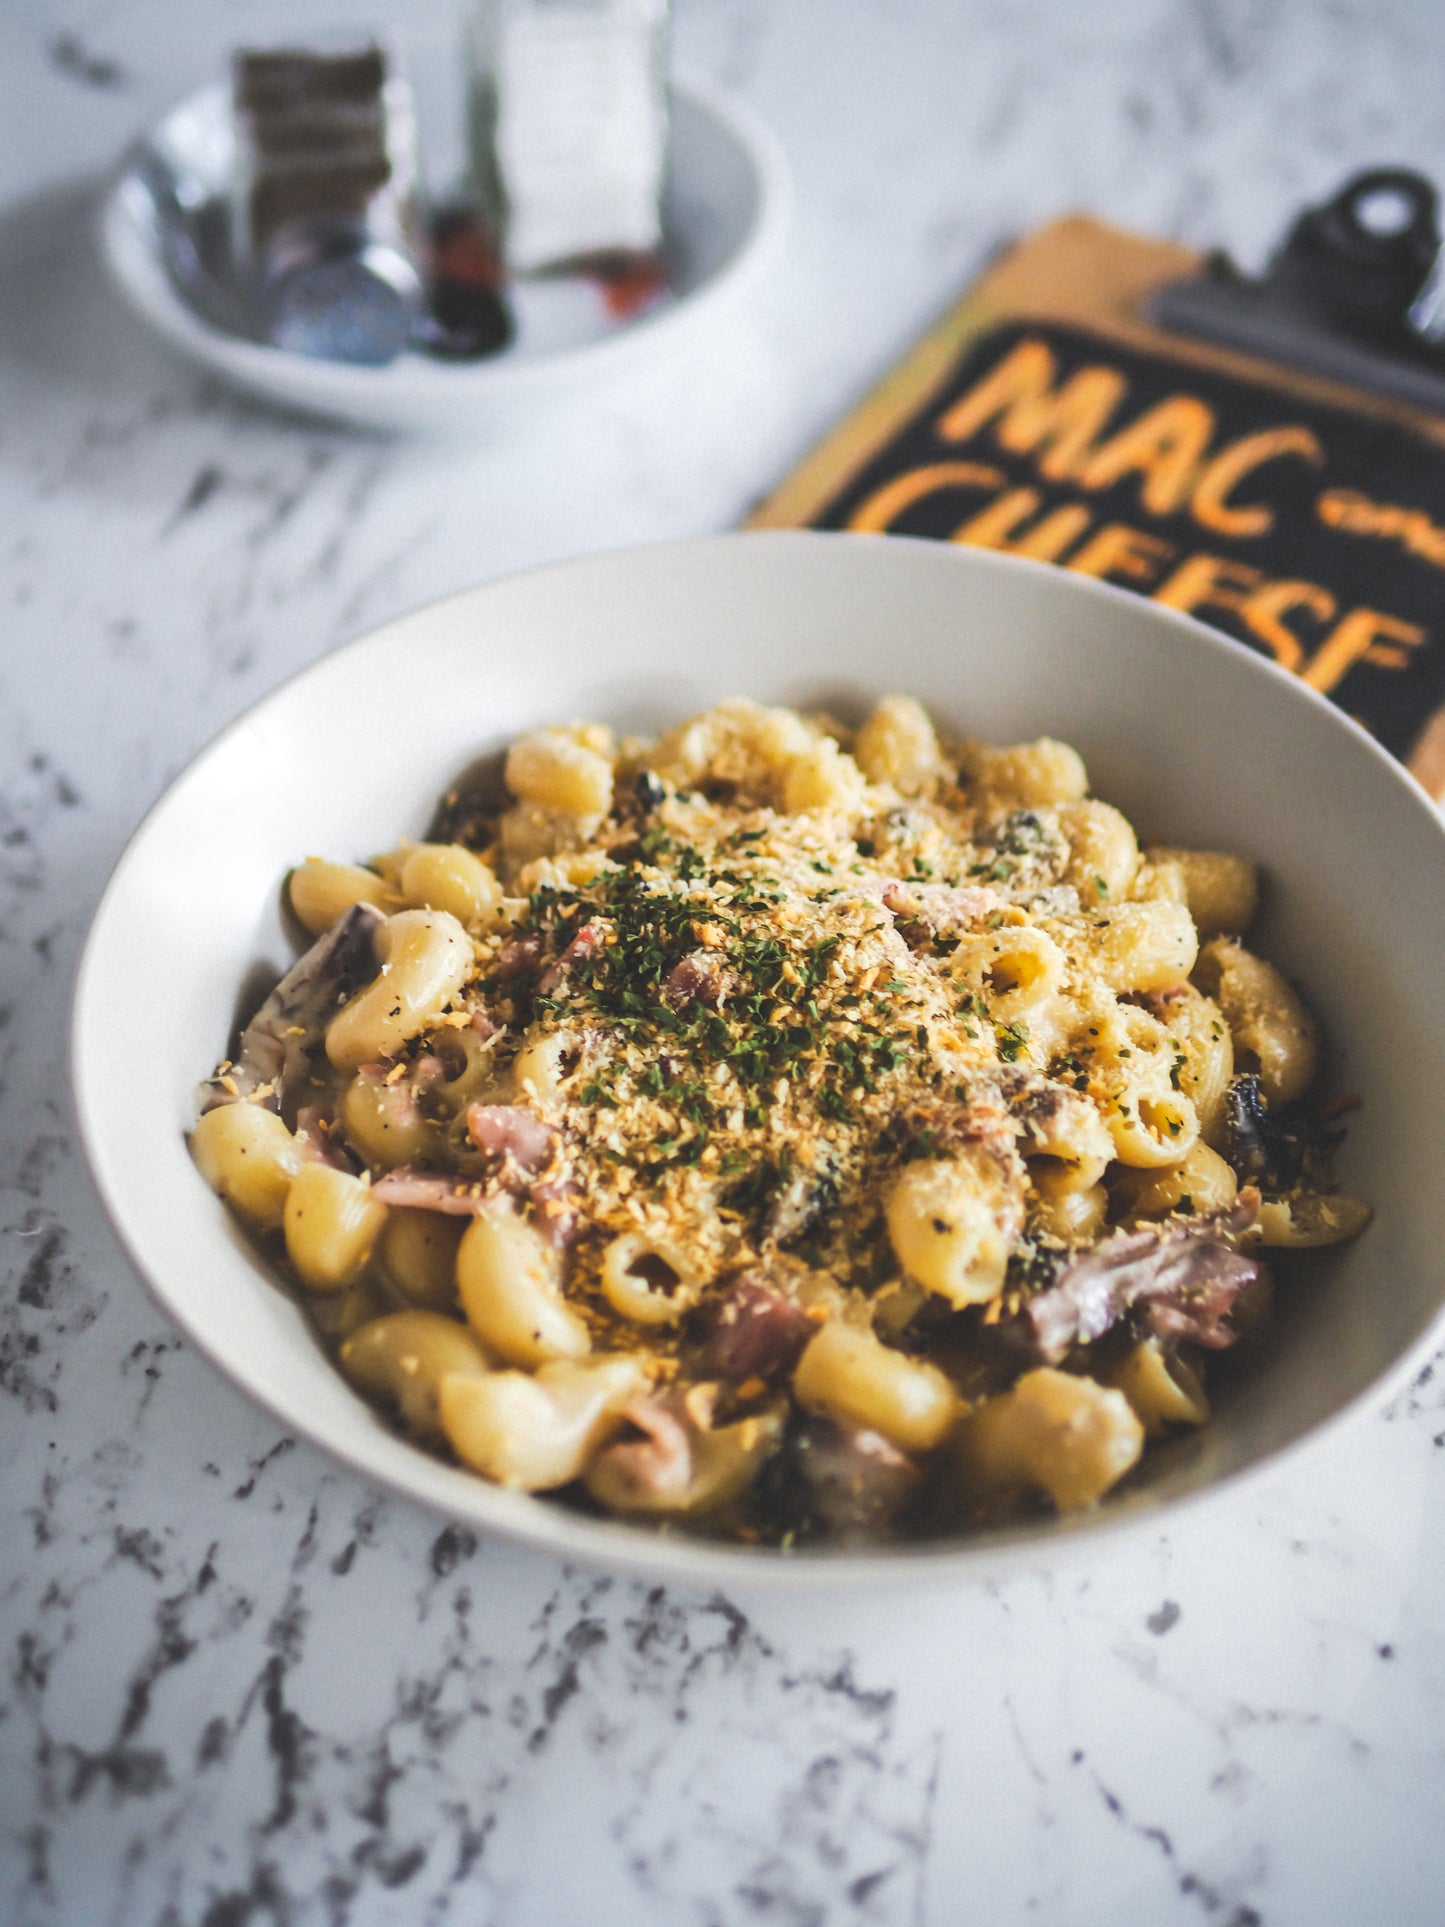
(757,1331)
(1180,1279)
(934,1128)
(586,943)
(554,1199)
(512,1131)
(927,910)
(311,1123)
(532,1163)
(659,1466)
(700,978)
(429,1191)
(519,956)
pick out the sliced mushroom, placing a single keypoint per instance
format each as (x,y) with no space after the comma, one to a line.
(845,1484)
(1180,1279)
(758,1331)
(287,1033)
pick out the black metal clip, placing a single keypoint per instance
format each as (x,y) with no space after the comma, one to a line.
(1356,293)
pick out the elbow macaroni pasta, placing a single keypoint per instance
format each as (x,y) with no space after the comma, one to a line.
(952,1222)
(331,1222)
(1052,1432)
(401,1359)
(426,958)
(1267,1020)
(247,1155)
(508,1280)
(540,1432)
(320,892)
(850,1373)
(781,1130)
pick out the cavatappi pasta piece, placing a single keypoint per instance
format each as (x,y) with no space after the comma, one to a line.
(537,1433)
(951,1222)
(337,1314)
(1137,947)
(1103,851)
(1221,889)
(823,777)
(1162,1388)
(547,1064)
(697,1472)
(331,1223)
(1063,1126)
(531,833)
(418,1253)
(819,1294)
(1063,1212)
(898,745)
(896,1305)
(1197,1026)
(509,1281)
(1151,1121)
(1266,1017)
(447,876)
(1151,1126)
(848,1372)
(555,770)
(567,870)
(648,1280)
(401,1359)
(1024,775)
(247,1155)
(1297,1223)
(426,958)
(469,1060)
(382,1120)
(1053,1432)
(739,743)
(1158,882)
(1016,969)
(320,892)
(1202,1182)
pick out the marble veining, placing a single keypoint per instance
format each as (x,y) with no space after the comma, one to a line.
(241,1687)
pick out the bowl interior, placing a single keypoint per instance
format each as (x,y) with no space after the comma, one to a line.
(723,206)
(1194,738)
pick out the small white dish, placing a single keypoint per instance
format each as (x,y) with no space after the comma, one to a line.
(1198,740)
(724,214)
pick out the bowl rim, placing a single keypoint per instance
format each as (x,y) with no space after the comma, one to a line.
(411,384)
(647,1551)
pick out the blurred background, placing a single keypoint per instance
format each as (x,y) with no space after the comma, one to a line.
(920,136)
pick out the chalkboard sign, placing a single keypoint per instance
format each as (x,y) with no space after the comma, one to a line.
(1047,415)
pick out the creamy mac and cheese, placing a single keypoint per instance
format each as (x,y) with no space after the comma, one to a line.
(799,1134)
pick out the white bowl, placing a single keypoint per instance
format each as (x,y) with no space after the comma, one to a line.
(724,214)
(1195,738)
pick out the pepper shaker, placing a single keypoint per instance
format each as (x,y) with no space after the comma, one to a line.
(327,222)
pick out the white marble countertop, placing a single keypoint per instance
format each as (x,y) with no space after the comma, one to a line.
(242,1688)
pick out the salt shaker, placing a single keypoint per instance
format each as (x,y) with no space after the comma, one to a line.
(569,128)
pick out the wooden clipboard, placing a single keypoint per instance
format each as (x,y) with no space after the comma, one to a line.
(1049,413)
